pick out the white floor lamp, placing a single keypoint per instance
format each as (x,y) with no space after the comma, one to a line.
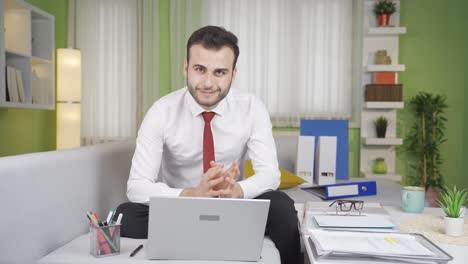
(68,98)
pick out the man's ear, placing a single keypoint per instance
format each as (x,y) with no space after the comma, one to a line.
(185,68)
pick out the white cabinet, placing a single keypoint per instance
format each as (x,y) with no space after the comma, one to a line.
(26,56)
(374,39)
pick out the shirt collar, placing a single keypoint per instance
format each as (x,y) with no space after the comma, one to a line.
(196,109)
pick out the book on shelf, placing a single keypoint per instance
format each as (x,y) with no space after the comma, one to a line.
(385,78)
(384,92)
(12,84)
(20,85)
(7,93)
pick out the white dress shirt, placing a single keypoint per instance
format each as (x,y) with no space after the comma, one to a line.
(169,148)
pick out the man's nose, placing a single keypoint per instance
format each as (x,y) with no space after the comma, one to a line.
(208,82)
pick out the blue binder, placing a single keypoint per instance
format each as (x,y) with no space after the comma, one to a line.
(343,190)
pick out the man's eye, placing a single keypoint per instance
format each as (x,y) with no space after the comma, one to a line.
(220,73)
(199,69)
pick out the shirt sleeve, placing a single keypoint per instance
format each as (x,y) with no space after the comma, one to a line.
(261,149)
(142,182)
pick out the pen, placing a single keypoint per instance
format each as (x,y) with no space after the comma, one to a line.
(109,217)
(136,250)
(119,219)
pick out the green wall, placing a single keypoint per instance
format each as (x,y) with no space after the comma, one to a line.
(27,130)
(164,44)
(434,52)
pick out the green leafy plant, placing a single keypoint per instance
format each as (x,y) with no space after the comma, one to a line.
(384,7)
(452,200)
(425,138)
(381,122)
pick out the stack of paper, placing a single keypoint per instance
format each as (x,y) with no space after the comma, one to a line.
(319,215)
(347,245)
(354,222)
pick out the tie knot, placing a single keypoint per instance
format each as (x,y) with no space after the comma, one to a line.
(207,116)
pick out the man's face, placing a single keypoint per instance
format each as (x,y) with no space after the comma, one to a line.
(209,74)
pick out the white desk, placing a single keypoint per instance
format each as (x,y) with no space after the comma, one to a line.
(459,253)
(77,251)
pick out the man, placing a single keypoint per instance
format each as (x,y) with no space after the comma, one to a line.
(188,136)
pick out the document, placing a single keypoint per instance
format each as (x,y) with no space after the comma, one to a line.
(346,221)
(383,244)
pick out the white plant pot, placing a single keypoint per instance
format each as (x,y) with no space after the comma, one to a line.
(454,226)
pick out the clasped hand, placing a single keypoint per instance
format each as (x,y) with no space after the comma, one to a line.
(216,183)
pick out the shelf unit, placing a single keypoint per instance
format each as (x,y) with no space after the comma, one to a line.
(386,68)
(27,45)
(378,38)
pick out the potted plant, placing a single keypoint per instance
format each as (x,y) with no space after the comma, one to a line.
(452,202)
(383,9)
(381,124)
(423,143)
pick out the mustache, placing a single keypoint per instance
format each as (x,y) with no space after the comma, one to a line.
(210,90)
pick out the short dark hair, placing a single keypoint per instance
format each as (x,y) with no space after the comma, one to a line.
(213,37)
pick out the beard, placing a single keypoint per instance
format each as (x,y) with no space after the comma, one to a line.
(213,96)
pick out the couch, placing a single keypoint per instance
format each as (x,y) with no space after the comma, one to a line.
(44,196)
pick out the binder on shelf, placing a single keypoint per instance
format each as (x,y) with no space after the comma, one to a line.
(336,128)
(325,161)
(305,158)
(343,190)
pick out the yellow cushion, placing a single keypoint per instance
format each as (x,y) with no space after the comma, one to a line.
(288,179)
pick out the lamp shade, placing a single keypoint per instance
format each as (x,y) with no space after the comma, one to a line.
(68,75)
(68,125)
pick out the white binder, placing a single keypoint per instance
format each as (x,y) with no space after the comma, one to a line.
(305,158)
(325,161)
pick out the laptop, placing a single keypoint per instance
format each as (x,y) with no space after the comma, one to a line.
(187,228)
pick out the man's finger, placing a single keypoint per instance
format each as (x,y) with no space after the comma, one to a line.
(214,182)
(226,192)
(230,180)
(213,172)
(213,193)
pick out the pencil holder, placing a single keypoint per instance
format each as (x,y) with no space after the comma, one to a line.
(104,240)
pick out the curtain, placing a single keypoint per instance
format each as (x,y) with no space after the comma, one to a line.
(294,55)
(108,33)
(184,19)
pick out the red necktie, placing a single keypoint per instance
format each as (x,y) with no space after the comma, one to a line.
(208,145)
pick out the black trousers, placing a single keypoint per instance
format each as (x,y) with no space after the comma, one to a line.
(281,227)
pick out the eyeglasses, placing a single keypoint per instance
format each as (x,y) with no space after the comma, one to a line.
(348,207)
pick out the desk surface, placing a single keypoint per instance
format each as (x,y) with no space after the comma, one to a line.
(77,251)
(459,253)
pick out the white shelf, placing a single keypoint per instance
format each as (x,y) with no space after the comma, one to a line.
(28,37)
(382,141)
(382,31)
(389,176)
(375,39)
(386,68)
(26,105)
(37,60)
(17,53)
(384,105)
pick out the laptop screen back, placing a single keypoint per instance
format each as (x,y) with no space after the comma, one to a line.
(188,228)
